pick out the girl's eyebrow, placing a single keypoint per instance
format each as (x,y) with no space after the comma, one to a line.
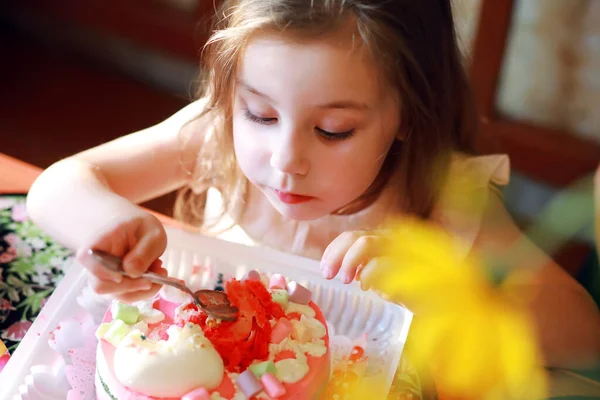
(250,89)
(340,104)
(349,104)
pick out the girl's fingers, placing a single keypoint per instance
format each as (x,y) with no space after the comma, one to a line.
(335,253)
(96,269)
(157,268)
(127,285)
(132,297)
(359,253)
(147,250)
(371,272)
(129,290)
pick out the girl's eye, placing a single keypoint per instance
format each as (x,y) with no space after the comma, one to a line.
(321,132)
(257,119)
(334,135)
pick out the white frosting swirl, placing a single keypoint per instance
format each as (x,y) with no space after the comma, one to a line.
(292,370)
(168,368)
(301,309)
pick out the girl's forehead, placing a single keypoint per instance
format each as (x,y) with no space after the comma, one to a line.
(326,67)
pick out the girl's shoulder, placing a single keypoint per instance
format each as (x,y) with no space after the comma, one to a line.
(463,198)
(481,170)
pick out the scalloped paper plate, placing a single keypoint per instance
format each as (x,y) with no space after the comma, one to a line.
(55,360)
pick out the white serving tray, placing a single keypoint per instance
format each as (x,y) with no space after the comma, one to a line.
(62,340)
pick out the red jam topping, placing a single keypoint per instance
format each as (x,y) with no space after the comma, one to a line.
(242,341)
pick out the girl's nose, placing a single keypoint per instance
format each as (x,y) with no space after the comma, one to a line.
(289,155)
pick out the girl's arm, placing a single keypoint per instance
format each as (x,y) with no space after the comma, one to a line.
(78,196)
(566,317)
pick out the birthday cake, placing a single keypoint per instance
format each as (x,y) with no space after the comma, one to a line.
(276,348)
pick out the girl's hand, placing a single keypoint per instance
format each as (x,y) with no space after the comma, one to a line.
(350,253)
(138,238)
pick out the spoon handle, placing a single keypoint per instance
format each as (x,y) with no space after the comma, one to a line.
(165,280)
(114,264)
(222,311)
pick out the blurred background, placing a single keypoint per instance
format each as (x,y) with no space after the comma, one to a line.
(77,73)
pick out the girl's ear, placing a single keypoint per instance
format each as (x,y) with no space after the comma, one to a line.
(402,135)
(403,132)
(597,207)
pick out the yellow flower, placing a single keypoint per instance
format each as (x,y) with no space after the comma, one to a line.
(3,348)
(466,332)
(366,388)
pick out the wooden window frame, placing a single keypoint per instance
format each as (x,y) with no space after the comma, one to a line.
(549,155)
(552,156)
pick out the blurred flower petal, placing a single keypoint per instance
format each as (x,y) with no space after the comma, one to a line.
(477,342)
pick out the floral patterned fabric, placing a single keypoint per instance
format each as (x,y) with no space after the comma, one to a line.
(31,265)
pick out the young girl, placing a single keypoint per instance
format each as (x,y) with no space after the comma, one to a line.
(317,122)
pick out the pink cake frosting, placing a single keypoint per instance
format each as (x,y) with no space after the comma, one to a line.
(298,355)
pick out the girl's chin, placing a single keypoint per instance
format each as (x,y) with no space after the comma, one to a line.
(300,212)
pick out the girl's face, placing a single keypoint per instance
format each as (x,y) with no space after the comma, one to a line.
(312,122)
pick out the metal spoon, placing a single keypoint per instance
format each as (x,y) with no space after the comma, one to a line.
(214,303)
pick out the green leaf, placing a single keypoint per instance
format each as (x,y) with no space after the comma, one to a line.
(27,229)
(34,301)
(22,267)
(28,291)
(43,258)
(13,295)
(14,281)
(58,251)
(25,310)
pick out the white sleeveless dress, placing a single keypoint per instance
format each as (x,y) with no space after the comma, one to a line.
(260,224)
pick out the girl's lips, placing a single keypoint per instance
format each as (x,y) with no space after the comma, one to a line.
(291,198)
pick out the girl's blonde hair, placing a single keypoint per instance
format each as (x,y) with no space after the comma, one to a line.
(415,43)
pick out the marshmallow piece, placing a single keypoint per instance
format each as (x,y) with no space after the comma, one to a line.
(248,383)
(301,332)
(281,296)
(197,394)
(148,313)
(252,275)
(261,368)
(298,293)
(141,326)
(277,281)
(102,329)
(125,312)
(281,330)
(273,387)
(116,332)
